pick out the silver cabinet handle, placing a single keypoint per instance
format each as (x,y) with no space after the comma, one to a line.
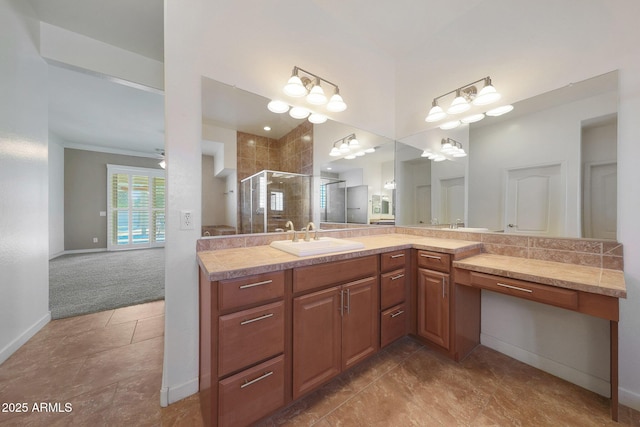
(443,297)
(398,313)
(341,303)
(264,316)
(251,285)
(515,288)
(348,301)
(430,256)
(399,276)
(253,381)
(397,256)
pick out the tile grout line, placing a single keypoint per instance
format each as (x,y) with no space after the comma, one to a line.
(365,387)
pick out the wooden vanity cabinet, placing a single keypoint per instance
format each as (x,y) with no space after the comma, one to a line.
(433,291)
(243,348)
(336,327)
(394,280)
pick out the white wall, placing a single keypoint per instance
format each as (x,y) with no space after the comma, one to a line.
(551,136)
(56,196)
(24,245)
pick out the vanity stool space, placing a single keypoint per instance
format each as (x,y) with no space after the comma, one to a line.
(586,290)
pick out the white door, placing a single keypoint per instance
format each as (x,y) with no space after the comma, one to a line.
(423,204)
(535,201)
(600,200)
(451,200)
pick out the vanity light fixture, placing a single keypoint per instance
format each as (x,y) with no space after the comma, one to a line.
(305,83)
(465,97)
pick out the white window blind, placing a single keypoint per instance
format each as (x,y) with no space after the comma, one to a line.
(136,207)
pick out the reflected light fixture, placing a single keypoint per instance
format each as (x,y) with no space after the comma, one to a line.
(299,113)
(452,148)
(345,145)
(500,110)
(317,118)
(450,125)
(277,106)
(465,97)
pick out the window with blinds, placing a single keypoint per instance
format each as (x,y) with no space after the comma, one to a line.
(136,207)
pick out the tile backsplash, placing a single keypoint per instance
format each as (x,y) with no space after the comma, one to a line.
(588,252)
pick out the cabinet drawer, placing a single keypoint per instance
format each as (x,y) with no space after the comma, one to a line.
(393,324)
(392,260)
(434,261)
(392,288)
(315,276)
(249,336)
(234,293)
(565,298)
(251,394)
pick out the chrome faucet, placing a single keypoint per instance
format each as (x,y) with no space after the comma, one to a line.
(308,228)
(289,226)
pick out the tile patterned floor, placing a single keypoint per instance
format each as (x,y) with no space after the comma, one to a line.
(108,365)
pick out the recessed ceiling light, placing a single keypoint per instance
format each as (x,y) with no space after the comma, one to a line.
(267,128)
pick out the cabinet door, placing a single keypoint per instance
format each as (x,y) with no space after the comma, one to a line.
(360,322)
(316,339)
(433,306)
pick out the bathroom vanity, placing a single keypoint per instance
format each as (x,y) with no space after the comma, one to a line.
(274,326)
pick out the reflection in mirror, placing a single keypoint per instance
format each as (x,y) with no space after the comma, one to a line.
(548,168)
(237,146)
(431,192)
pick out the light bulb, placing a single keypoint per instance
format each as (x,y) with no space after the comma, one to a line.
(344,147)
(459,105)
(354,142)
(335,152)
(299,113)
(336,104)
(487,95)
(294,87)
(436,113)
(316,96)
(279,107)
(317,118)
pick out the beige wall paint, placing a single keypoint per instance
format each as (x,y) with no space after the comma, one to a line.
(85,195)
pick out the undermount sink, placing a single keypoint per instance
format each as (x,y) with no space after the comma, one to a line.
(478,229)
(324,245)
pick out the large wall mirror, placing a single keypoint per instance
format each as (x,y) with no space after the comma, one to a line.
(261,169)
(548,168)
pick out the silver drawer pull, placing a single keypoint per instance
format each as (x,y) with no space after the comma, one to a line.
(397,256)
(399,276)
(260,378)
(251,285)
(515,287)
(264,316)
(397,313)
(430,256)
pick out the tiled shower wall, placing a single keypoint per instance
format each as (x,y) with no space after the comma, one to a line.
(291,153)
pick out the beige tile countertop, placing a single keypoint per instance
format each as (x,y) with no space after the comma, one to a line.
(578,277)
(238,262)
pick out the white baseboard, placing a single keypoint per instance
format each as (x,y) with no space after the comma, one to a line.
(169,395)
(629,398)
(14,345)
(567,373)
(83,251)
